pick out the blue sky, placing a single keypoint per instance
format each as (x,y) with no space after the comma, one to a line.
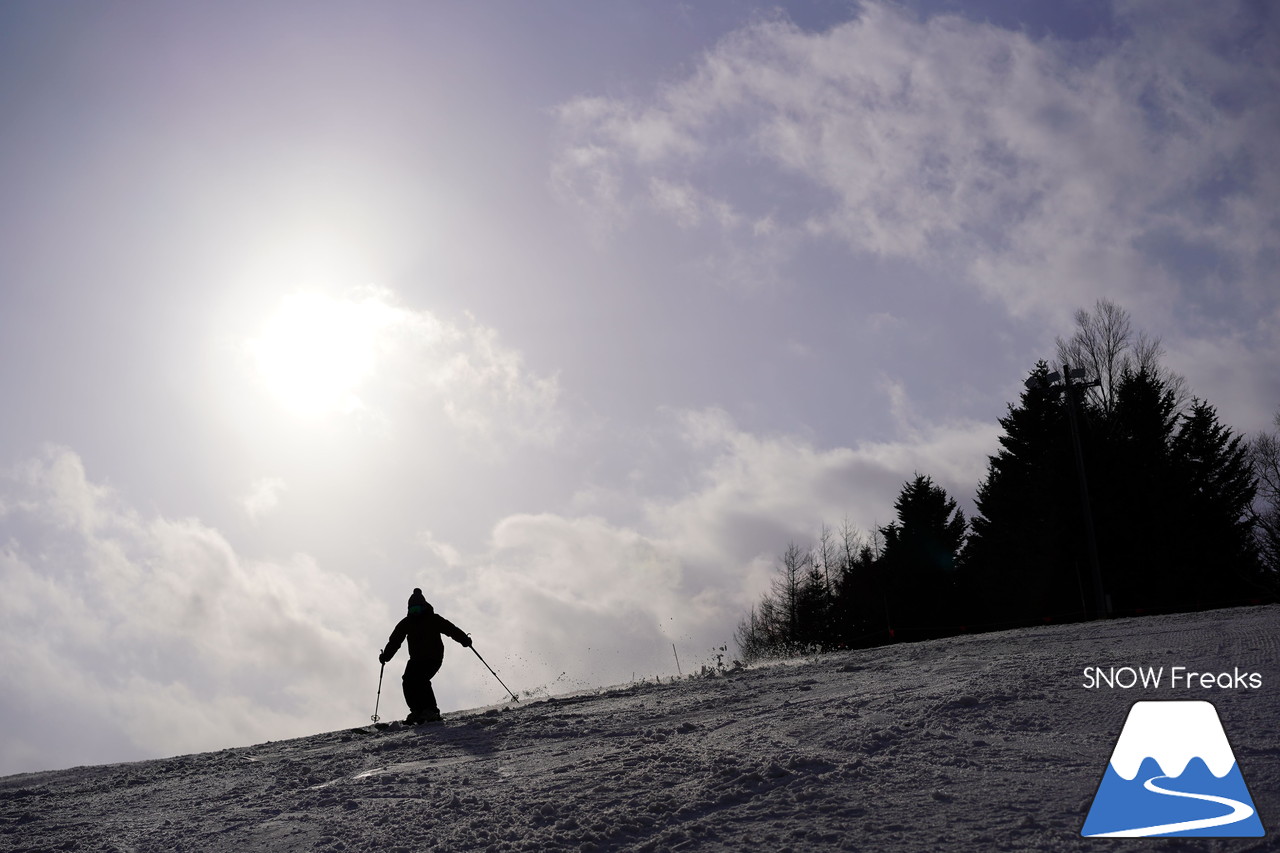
(570,314)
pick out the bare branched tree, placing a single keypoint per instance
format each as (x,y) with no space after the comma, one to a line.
(1264,456)
(1100,345)
(787,585)
(824,558)
(1105,345)
(851,542)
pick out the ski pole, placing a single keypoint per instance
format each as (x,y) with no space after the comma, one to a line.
(378,701)
(495,675)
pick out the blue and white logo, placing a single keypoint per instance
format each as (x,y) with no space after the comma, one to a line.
(1172,773)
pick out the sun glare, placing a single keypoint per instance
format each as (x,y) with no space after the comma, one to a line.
(314,353)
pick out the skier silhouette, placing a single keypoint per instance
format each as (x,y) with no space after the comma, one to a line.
(423,626)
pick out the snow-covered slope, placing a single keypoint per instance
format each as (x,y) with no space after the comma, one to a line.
(976,743)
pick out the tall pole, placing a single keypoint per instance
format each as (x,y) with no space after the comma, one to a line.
(1101,611)
(378,701)
(514,697)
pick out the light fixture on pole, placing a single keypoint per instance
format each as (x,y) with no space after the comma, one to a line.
(1056,385)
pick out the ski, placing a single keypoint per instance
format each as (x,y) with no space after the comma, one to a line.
(398,725)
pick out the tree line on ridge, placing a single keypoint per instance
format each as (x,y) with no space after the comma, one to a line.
(1172,511)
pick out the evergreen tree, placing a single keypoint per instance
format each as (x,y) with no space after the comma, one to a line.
(1027,553)
(813,610)
(1169,496)
(861,592)
(922,559)
(1136,493)
(1219,562)
(1175,496)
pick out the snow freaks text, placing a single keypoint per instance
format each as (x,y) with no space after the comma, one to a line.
(1174,677)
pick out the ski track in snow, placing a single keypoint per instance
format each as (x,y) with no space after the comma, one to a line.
(976,743)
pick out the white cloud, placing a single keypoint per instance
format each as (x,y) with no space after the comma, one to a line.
(263,496)
(1235,371)
(598,599)
(441,552)
(678,199)
(1051,172)
(689,206)
(783,482)
(486,389)
(585,176)
(158,632)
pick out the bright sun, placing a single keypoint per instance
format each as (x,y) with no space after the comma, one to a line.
(314,353)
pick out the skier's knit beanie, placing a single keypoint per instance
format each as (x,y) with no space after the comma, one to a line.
(418,599)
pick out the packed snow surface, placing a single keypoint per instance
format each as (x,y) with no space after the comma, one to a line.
(975,743)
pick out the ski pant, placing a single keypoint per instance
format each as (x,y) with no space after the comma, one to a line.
(418,694)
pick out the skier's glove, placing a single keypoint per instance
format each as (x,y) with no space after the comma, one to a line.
(382,657)
(466,642)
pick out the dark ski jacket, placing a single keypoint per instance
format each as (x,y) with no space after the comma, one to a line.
(423,631)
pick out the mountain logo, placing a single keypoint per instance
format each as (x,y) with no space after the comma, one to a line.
(1172,773)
